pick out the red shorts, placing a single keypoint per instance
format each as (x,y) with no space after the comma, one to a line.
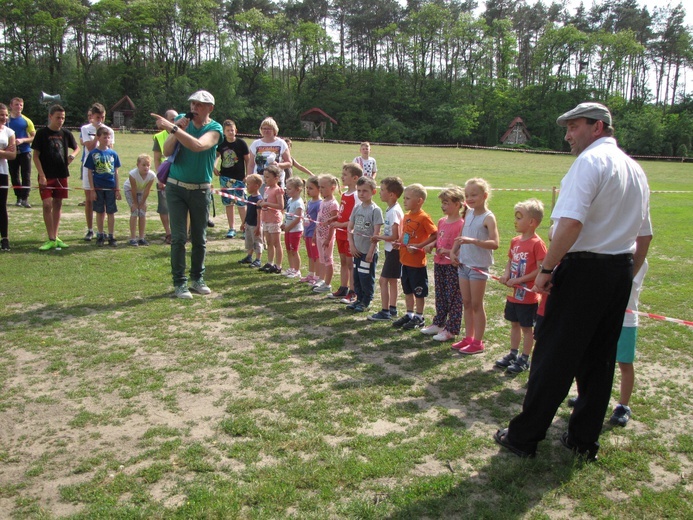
(311,248)
(55,189)
(292,240)
(343,247)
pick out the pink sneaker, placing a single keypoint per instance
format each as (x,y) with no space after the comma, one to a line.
(475,347)
(461,344)
(308,279)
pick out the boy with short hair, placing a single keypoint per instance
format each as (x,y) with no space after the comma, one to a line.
(87,137)
(364,223)
(235,160)
(351,172)
(103,163)
(418,230)
(52,162)
(527,251)
(365,161)
(391,189)
(251,224)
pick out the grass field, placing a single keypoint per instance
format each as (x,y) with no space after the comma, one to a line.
(266,401)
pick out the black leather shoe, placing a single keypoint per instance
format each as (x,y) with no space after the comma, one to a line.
(501,437)
(588,455)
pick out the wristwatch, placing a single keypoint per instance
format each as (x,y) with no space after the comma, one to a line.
(545,271)
(174,129)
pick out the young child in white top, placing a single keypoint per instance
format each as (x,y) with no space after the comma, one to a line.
(475,248)
(365,161)
(142,179)
(293,225)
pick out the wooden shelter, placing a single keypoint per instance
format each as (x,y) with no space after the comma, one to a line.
(314,121)
(123,113)
(517,132)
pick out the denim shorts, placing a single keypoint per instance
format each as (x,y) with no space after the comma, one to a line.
(105,200)
(467,273)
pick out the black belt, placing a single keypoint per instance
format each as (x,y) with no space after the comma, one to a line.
(587,255)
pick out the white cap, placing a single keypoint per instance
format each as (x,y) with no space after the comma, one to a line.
(202,96)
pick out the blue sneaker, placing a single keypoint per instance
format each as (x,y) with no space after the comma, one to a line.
(231,233)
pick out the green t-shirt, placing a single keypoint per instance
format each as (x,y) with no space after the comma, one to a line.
(197,167)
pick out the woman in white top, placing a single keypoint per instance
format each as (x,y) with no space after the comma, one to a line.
(8,150)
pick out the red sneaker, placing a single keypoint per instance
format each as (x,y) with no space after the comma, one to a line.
(461,344)
(475,347)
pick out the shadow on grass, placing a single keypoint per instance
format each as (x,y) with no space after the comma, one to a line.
(504,487)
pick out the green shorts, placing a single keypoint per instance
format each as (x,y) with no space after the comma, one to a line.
(625,352)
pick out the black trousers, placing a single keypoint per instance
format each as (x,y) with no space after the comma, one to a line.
(577,340)
(21,165)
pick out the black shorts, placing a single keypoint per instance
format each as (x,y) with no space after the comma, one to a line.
(391,267)
(524,313)
(415,281)
(105,202)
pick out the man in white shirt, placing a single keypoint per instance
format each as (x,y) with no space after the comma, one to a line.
(601,238)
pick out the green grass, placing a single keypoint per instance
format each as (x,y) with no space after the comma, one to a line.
(263,401)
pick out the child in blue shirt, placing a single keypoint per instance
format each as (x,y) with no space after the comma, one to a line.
(103,163)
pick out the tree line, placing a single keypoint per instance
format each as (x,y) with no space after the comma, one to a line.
(424,71)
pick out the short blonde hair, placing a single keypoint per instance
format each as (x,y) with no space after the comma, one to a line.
(331,179)
(533,207)
(480,183)
(144,157)
(418,190)
(353,169)
(254,178)
(268,121)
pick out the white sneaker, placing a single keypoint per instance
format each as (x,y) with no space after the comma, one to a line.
(289,273)
(200,287)
(444,335)
(295,274)
(183,292)
(432,329)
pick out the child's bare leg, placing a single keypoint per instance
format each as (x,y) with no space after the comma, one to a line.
(230,216)
(477,290)
(329,272)
(515,335)
(467,311)
(133,224)
(420,302)
(278,251)
(142,225)
(393,291)
(409,302)
(627,382)
(270,247)
(56,213)
(111,223)
(99,222)
(527,340)
(384,284)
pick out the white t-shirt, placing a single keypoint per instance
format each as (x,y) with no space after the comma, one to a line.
(139,181)
(607,192)
(5,134)
(262,153)
(368,166)
(393,215)
(292,207)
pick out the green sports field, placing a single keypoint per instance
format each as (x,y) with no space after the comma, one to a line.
(264,400)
